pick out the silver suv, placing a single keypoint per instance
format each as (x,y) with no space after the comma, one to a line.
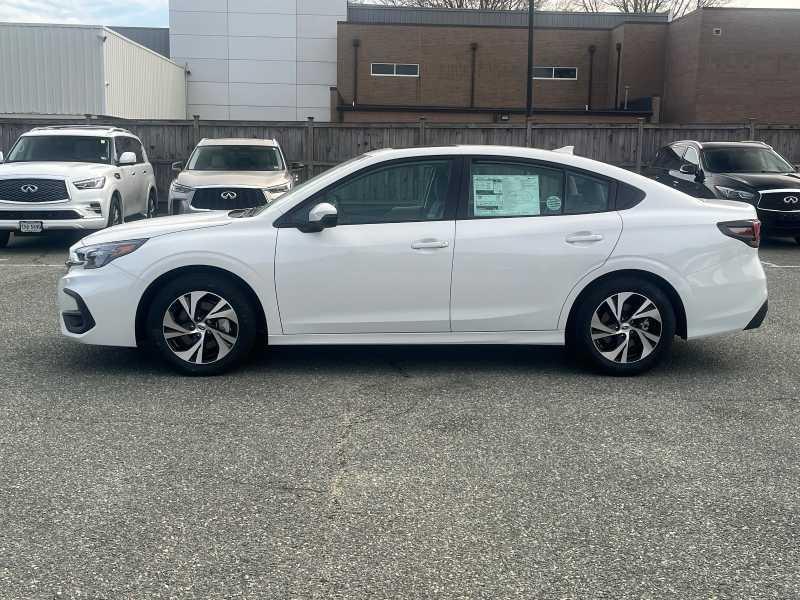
(80,177)
(228,174)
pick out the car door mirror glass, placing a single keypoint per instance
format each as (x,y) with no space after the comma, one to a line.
(688,169)
(322,216)
(127,158)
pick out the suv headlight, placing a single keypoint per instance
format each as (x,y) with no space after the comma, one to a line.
(276,190)
(96,183)
(99,255)
(732,194)
(180,189)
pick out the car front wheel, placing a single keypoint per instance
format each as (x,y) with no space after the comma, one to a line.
(624,326)
(202,325)
(152,205)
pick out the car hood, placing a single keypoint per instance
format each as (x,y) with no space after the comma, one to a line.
(763,181)
(259,179)
(66,170)
(150,228)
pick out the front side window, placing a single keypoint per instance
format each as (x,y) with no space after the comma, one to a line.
(745,160)
(129,144)
(669,157)
(500,189)
(235,158)
(408,191)
(61,148)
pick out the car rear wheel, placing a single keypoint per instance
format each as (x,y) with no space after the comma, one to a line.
(202,325)
(624,326)
(5,236)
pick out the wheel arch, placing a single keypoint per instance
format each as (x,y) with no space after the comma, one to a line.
(152,289)
(681,327)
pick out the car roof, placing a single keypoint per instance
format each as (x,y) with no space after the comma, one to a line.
(706,145)
(238,142)
(79,130)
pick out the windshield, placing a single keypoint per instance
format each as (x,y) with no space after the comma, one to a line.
(236,158)
(745,160)
(61,148)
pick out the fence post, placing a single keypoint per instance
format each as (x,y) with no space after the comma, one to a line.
(639,143)
(751,128)
(422,131)
(196,128)
(309,153)
(529,132)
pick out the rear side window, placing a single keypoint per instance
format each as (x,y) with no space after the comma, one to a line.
(585,194)
(669,157)
(507,189)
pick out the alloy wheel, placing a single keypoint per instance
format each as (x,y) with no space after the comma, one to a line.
(152,210)
(626,327)
(200,327)
(116,215)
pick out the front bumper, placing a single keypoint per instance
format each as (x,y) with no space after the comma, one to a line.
(107,297)
(60,217)
(779,223)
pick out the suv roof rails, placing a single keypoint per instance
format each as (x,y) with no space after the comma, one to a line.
(762,142)
(100,127)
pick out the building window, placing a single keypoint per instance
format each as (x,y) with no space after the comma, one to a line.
(394,70)
(555,73)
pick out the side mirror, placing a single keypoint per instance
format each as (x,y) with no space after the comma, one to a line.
(322,216)
(688,169)
(296,166)
(177,166)
(127,158)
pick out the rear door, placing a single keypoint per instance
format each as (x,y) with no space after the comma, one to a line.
(527,233)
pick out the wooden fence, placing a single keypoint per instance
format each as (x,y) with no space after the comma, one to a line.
(323,145)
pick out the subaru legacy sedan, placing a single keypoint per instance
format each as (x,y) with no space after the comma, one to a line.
(453,245)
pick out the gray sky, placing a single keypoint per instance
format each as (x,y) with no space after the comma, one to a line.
(154,13)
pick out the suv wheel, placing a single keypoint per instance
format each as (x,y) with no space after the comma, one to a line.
(5,236)
(797,239)
(202,325)
(115,215)
(624,326)
(152,205)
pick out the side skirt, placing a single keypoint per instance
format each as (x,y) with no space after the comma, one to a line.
(531,338)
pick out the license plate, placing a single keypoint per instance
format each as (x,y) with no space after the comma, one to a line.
(30,227)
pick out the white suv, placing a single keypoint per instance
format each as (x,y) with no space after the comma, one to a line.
(229,174)
(74,177)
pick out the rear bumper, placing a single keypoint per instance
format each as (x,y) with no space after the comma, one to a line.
(756,322)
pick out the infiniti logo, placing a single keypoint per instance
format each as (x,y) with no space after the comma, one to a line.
(791,200)
(29,188)
(228,195)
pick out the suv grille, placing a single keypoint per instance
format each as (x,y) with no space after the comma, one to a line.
(212,198)
(778,200)
(38,215)
(33,190)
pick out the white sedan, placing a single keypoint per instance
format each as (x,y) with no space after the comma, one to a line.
(454,245)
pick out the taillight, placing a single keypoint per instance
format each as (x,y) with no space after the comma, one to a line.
(748,232)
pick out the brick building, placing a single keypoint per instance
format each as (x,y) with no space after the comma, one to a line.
(713,65)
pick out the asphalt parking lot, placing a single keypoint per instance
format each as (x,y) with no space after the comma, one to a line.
(470,472)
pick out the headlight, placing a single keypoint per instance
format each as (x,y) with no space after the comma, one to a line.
(97,183)
(732,194)
(99,255)
(181,189)
(272,193)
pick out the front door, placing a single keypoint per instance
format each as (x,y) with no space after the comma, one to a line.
(528,235)
(386,266)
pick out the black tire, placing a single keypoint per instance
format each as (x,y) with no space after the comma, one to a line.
(797,239)
(152,205)
(115,214)
(636,334)
(5,237)
(242,324)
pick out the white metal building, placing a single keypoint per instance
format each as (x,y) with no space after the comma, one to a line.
(272,60)
(75,70)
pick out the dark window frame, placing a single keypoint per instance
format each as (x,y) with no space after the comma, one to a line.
(394,72)
(290,220)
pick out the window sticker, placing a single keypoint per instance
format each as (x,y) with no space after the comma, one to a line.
(505,195)
(553,203)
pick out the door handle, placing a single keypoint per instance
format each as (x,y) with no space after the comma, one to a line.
(581,238)
(429,244)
